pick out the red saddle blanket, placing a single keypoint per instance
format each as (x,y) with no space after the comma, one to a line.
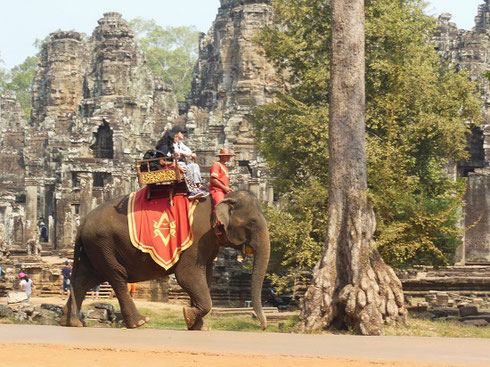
(157,228)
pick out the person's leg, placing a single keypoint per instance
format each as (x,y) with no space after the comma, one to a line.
(196,172)
(217,196)
(133,290)
(194,191)
(63,289)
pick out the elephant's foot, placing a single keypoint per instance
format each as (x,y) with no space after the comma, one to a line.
(70,319)
(193,320)
(139,320)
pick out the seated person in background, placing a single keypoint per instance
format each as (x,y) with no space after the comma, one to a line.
(219,179)
(167,145)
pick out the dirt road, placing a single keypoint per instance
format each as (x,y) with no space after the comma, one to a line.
(33,345)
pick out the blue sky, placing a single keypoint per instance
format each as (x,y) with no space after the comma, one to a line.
(22,21)
(463,11)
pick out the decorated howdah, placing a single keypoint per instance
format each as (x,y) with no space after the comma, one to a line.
(159,228)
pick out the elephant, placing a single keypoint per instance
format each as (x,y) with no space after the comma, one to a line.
(104,252)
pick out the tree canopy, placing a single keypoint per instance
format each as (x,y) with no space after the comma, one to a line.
(171,52)
(415,119)
(19,80)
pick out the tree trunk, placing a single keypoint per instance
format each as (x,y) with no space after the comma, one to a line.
(352,287)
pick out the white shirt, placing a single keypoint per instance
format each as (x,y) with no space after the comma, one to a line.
(26,286)
(181,148)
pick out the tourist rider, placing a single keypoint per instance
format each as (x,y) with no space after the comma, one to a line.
(170,144)
(186,155)
(219,178)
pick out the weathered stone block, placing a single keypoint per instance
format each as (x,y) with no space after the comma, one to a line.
(97,314)
(442,299)
(478,322)
(468,311)
(16,297)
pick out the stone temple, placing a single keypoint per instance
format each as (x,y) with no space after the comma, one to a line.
(469,50)
(97,108)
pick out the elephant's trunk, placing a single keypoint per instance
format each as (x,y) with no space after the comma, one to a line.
(261,260)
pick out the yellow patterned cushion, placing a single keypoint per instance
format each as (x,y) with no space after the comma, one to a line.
(167,175)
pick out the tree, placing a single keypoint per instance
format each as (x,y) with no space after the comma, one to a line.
(171,52)
(3,75)
(351,284)
(416,109)
(20,81)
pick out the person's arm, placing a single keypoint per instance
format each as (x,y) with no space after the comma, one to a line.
(184,150)
(221,185)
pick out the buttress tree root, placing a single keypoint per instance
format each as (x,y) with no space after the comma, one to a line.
(352,286)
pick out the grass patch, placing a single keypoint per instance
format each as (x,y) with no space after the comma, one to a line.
(246,323)
(443,328)
(173,319)
(164,319)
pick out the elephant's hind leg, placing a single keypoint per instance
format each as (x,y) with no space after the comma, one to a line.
(82,280)
(195,284)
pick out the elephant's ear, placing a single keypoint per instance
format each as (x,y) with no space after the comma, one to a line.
(223,211)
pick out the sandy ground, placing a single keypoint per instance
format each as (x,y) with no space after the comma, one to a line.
(47,355)
(40,346)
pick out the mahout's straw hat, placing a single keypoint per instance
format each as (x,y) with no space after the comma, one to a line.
(225,151)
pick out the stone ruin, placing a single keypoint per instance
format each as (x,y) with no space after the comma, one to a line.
(97,108)
(232,77)
(469,50)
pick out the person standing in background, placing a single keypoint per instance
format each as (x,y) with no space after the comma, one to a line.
(65,288)
(132,289)
(95,292)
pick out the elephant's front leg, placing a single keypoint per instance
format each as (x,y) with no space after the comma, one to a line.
(132,318)
(193,281)
(118,280)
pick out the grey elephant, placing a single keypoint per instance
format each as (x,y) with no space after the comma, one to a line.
(103,252)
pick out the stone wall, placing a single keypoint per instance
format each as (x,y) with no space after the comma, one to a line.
(469,50)
(12,140)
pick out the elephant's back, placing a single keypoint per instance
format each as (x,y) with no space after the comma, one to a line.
(107,218)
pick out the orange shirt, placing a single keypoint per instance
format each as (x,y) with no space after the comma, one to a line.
(219,171)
